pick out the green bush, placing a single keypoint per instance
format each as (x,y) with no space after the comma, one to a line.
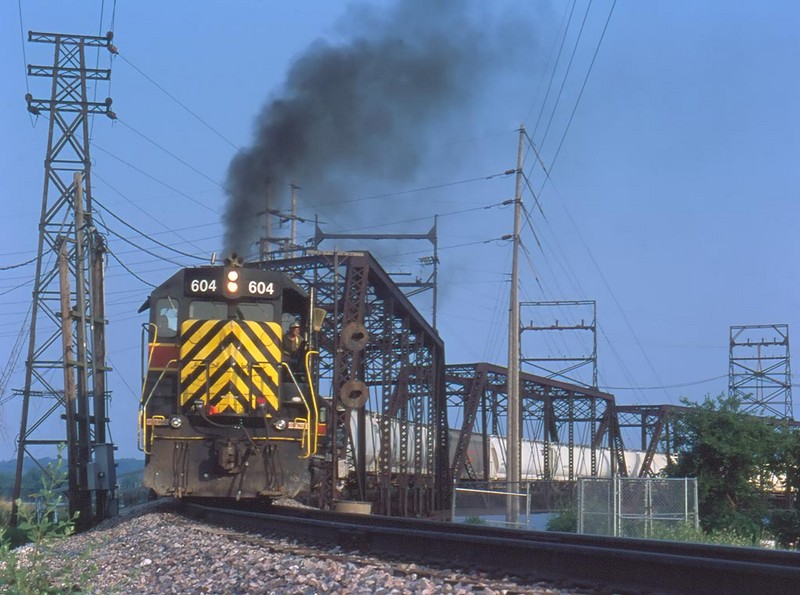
(40,526)
(565,522)
(785,526)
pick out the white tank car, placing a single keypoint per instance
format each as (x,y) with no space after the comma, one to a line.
(531,452)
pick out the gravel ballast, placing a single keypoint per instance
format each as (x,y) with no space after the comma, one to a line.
(151,549)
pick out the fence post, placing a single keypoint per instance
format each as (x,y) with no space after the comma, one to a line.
(686,500)
(648,503)
(453,502)
(528,505)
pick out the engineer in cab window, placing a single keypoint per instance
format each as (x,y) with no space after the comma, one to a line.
(292,342)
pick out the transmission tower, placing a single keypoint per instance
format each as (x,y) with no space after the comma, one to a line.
(67,328)
(581,318)
(759,373)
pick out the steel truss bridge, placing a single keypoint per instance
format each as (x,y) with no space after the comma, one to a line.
(381,360)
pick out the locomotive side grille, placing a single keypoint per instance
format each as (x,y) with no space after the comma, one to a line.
(228,364)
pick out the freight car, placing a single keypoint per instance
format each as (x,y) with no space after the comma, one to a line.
(225,413)
(531,455)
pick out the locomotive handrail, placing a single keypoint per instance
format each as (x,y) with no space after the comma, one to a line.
(308,409)
(143,408)
(313,399)
(140,427)
(149,351)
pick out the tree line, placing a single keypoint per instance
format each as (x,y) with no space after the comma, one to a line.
(747,470)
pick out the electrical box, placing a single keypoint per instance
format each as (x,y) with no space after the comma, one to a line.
(101,474)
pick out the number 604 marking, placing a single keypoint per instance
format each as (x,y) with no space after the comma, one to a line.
(260,288)
(203,285)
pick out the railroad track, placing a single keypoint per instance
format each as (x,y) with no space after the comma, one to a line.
(580,561)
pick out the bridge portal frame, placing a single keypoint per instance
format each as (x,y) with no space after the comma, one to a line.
(377,348)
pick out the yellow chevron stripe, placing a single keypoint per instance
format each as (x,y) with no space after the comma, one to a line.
(232,388)
(261,387)
(229,401)
(203,359)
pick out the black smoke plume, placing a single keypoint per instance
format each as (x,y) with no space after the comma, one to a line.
(362,108)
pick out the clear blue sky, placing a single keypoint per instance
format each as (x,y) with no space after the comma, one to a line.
(672,200)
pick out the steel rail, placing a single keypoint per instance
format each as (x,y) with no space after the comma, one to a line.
(582,561)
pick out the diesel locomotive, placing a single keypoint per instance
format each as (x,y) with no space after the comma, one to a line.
(226,411)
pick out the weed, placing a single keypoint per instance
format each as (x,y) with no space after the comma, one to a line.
(30,569)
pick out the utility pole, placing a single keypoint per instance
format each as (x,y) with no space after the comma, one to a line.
(292,236)
(264,245)
(66,229)
(271,247)
(513,432)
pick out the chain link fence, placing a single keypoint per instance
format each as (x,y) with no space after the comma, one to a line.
(636,507)
(489,503)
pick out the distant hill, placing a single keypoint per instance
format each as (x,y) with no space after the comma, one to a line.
(129,466)
(123,465)
(129,475)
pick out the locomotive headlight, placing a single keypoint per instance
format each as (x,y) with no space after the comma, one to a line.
(279,424)
(175,422)
(233,281)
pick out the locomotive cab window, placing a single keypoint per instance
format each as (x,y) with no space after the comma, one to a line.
(263,312)
(208,310)
(287,318)
(167,317)
(295,307)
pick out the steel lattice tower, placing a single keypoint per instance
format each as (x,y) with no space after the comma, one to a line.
(760,373)
(67,329)
(575,355)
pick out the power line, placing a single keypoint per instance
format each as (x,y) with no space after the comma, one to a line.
(23,284)
(122,378)
(569,215)
(97,65)
(476,242)
(566,72)
(24,54)
(683,384)
(610,290)
(143,249)
(144,173)
(176,100)
(530,226)
(447,214)
(147,213)
(583,86)
(173,155)
(113,16)
(16,266)
(144,235)
(533,194)
(122,264)
(421,189)
(25,59)
(568,270)
(571,10)
(13,357)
